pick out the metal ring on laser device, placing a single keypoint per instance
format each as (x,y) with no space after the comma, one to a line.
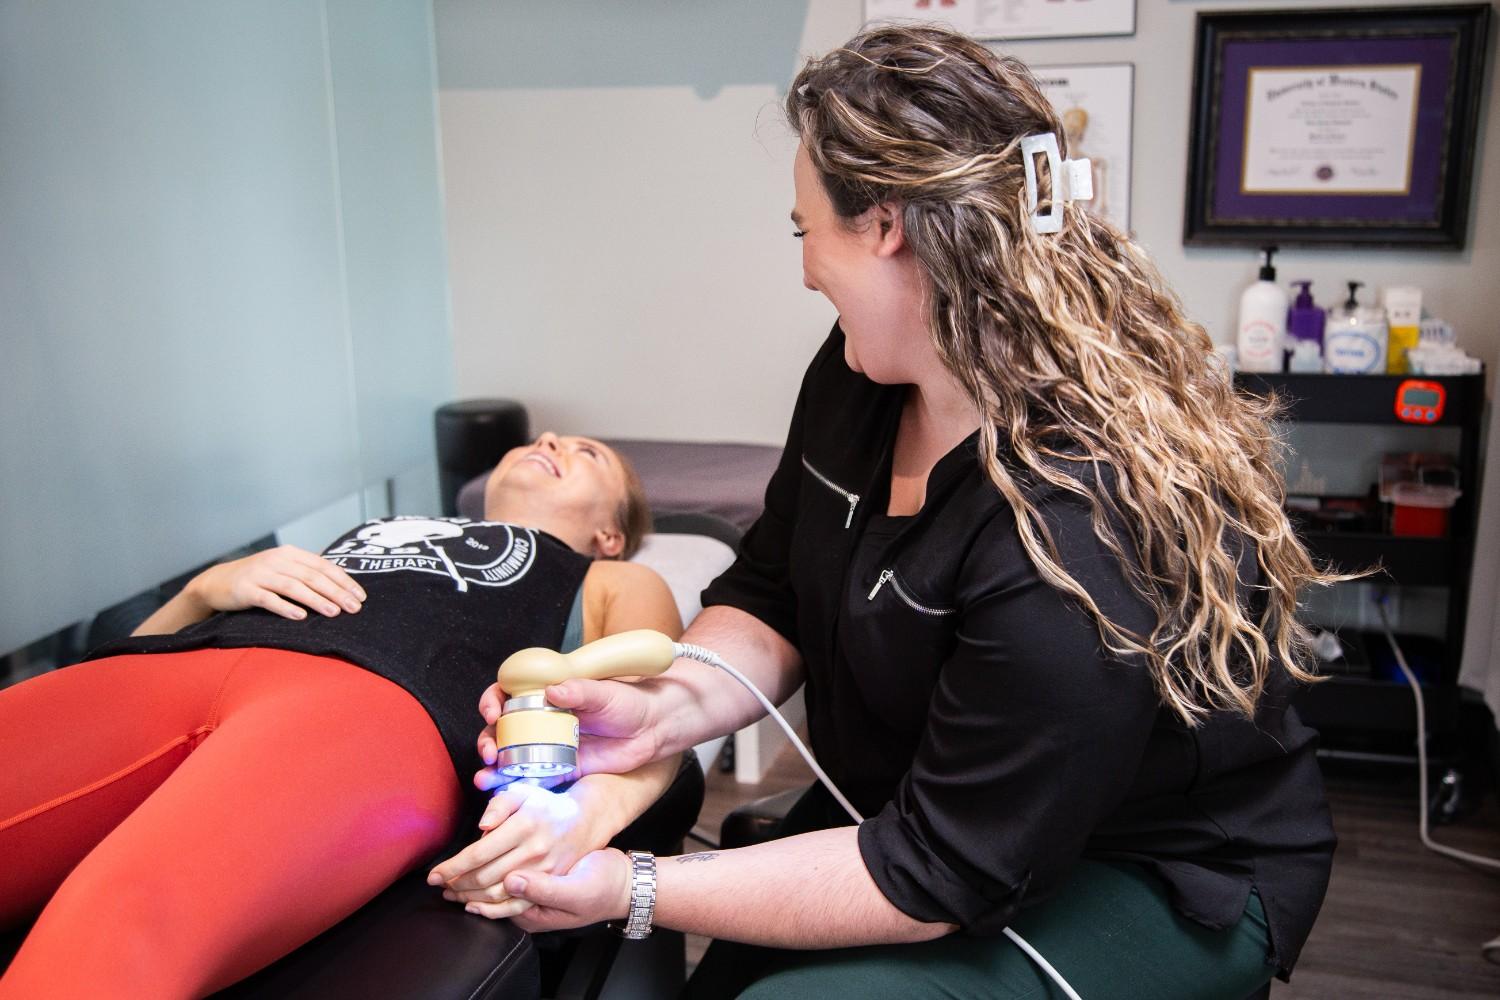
(529,702)
(537,760)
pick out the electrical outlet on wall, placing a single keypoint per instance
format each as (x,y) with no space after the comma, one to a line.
(1369,612)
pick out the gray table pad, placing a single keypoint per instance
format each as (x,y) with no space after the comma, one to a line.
(683,477)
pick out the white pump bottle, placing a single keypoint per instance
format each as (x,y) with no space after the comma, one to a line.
(1261,334)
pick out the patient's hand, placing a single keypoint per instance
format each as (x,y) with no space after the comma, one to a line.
(285,580)
(526,827)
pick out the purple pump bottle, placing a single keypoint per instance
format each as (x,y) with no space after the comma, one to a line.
(1304,320)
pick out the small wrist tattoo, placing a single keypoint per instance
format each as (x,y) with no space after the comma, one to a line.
(688,859)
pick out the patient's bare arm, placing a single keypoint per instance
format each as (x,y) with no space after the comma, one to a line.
(563,827)
(533,828)
(286,580)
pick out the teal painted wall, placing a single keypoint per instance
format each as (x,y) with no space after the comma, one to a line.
(223,288)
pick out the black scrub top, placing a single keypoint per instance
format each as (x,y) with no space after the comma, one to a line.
(971,711)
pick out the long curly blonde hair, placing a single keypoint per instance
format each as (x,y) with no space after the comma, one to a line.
(1087,374)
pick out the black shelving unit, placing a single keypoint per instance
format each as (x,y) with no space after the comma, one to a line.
(1352,702)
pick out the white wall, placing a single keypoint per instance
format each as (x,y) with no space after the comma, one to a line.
(618,188)
(1481,666)
(621,257)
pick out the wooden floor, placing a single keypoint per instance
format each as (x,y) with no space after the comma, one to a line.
(1399,922)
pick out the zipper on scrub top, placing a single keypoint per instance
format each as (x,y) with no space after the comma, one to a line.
(889,576)
(853,498)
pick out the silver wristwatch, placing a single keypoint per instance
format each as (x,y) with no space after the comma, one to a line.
(642,896)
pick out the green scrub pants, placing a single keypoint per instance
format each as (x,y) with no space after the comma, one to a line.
(1110,931)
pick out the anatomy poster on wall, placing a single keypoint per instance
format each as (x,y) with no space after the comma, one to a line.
(1008,19)
(1094,103)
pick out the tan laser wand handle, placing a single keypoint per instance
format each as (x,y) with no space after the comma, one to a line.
(641,652)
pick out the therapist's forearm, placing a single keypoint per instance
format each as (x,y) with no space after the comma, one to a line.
(808,891)
(694,702)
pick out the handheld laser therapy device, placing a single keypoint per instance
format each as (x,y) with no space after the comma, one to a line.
(538,740)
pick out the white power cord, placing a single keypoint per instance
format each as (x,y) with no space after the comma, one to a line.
(708,656)
(688,651)
(1490,949)
(1042,964)
(1416,689)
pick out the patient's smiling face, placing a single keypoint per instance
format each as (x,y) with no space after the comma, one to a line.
(571,487)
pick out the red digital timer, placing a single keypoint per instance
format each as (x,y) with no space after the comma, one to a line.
(1420,402)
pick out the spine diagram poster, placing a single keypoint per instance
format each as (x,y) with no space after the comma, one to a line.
(1094,103)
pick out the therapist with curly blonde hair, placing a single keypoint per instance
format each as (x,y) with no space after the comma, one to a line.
(1026,548)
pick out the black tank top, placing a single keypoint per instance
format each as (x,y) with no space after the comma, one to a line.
(447,600)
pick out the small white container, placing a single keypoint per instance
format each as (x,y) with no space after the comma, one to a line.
(1306,357)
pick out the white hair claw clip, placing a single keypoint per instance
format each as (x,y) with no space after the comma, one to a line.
(1072,180)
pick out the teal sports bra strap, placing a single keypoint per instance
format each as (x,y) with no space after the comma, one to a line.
(573,634)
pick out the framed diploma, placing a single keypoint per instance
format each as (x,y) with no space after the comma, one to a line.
(1342,127)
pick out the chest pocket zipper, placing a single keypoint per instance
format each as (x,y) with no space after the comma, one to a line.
(889,576)
(851,498)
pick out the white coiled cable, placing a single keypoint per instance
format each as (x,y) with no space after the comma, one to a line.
(689,651)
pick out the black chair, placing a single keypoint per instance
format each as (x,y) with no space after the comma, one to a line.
(410,943)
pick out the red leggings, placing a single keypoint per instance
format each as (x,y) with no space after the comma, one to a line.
(181,820)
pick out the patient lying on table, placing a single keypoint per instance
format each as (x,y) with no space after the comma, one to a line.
(292,732)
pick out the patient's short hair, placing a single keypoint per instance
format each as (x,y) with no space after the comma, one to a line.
(634,513)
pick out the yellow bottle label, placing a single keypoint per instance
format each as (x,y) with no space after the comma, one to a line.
(1402,339)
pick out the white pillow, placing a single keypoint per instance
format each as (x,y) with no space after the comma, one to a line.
(688,563)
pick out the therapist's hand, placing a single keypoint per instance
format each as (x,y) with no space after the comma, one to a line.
(526,827)
(286,581)
(597,889)
(618,731)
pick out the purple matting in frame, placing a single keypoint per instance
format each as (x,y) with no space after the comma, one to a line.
(1420,207)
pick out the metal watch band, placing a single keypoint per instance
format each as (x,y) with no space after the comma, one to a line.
(642,896)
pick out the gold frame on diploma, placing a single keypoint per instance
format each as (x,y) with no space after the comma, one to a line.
(1342,127)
